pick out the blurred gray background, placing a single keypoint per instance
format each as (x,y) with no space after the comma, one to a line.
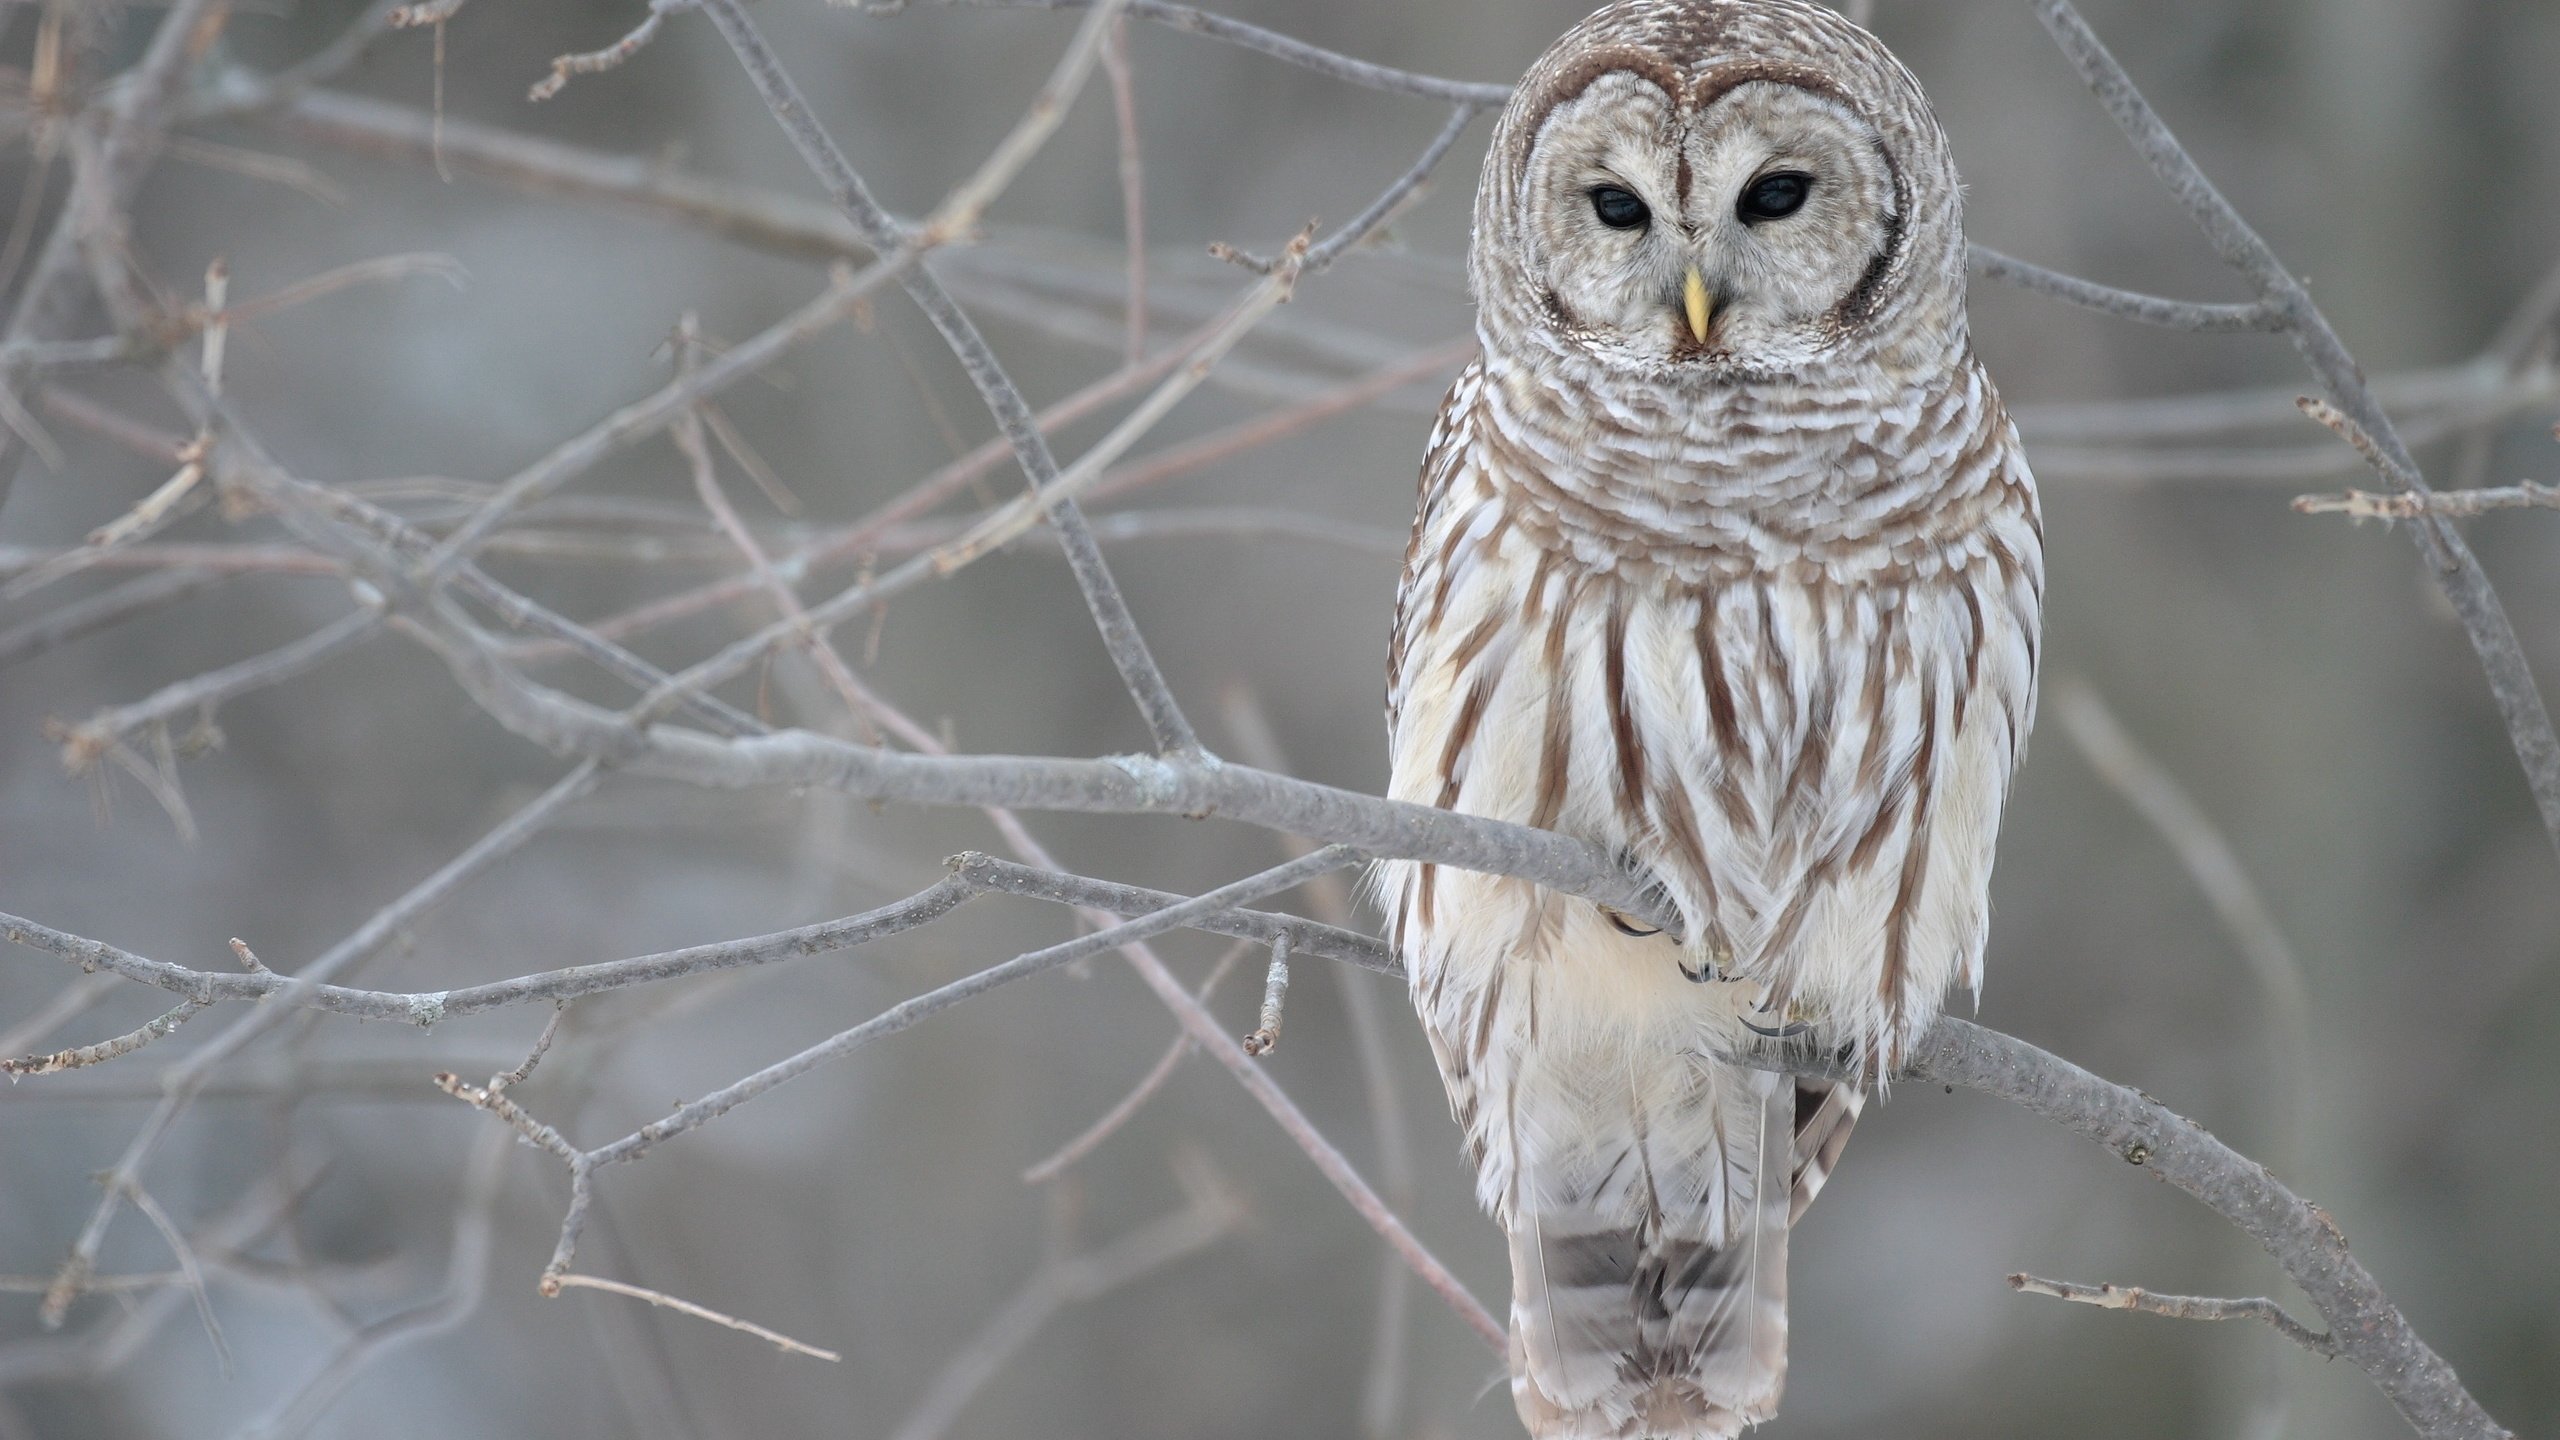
(2298,675)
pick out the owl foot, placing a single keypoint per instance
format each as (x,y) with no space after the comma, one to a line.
(1786,1031)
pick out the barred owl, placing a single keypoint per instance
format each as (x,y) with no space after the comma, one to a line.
(1726,560)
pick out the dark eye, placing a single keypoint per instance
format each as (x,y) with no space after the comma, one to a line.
(1619,209)
(1775,197)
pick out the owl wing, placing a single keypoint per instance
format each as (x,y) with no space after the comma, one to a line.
(1426,570)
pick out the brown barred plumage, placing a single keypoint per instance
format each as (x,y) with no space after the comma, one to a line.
(1756,604)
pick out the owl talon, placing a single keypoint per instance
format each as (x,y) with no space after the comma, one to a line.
(1625,926)
(1784,1032)
(1703,975)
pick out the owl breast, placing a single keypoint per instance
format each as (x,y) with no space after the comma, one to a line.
(1809,747)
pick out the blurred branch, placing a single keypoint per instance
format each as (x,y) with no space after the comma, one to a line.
(1061,1281)
(94,1353)
(966,204)
(456,1298)
(1990,264)
(611,57)
(1386,206)
(880,534)
(1109,1123)
(637,421)
(2215,868)
(2155,794)
(1363,73)
(100,610)
(83,743)
(1133,185)
(133,117)
(768,220)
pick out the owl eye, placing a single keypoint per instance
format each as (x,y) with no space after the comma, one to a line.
(1619,209)
(1775,197)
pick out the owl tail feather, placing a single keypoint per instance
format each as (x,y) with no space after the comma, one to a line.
(1671,1324)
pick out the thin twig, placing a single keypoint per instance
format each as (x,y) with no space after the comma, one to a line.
(82,744)
(1990,264)
(957,216)
(188,1270)
(2180,1307)
(1389,203)
(2446,504)
(104,1050)
(844,293)
(1133,184)
(664,1301)
(548,987)
(75,1000)
(1280,47)
(1275,999)
(596,62)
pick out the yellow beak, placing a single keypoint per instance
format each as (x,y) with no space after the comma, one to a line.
(1697,304)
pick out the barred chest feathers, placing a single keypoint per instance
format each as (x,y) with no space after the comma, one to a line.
(1782,653)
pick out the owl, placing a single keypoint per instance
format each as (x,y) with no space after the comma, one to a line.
(1727,559)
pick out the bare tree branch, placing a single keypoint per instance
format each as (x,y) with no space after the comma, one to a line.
(409,551)
(2457,570)
(2370,1330)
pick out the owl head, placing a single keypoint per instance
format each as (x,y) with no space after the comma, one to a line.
(1717,190)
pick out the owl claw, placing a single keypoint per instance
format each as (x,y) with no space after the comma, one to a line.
(1703,975)
(1625,926)
(1784,1032)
